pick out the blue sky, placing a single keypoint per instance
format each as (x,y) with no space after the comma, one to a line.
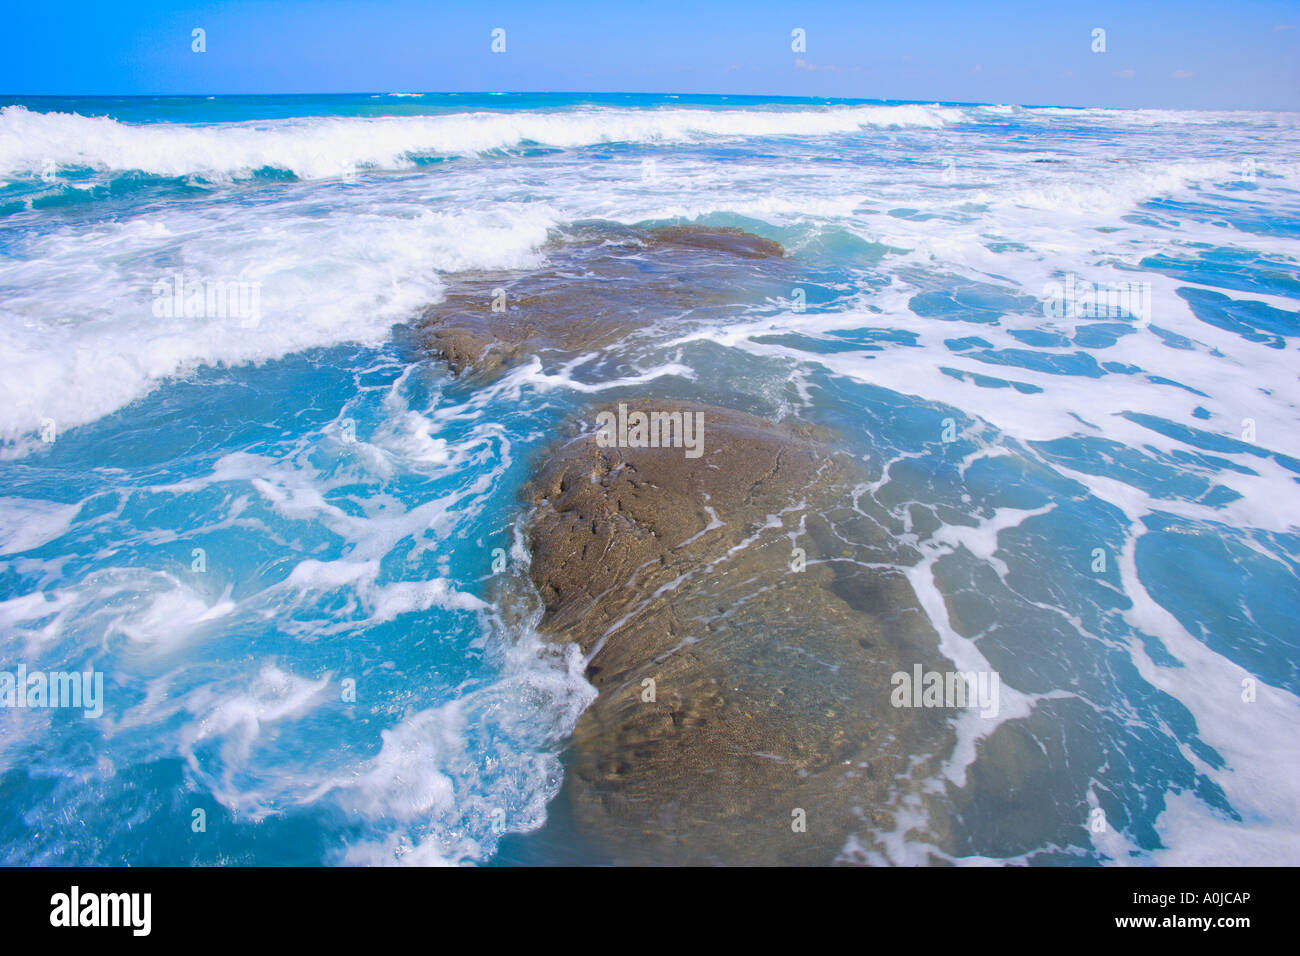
(1189,54)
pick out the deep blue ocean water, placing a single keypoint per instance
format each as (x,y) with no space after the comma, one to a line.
(282,536)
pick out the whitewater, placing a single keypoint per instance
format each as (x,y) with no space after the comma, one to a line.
(293,546)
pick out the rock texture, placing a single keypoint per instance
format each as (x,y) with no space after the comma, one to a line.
(771,687)
(608,282)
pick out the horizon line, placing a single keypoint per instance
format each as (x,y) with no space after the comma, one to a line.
(763,96)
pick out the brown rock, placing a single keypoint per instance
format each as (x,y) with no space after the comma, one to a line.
(771,687)
(601,284)
(734,242)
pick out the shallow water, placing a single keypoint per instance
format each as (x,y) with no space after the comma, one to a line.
(1103,510)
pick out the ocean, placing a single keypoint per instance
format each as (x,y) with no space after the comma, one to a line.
(238,487)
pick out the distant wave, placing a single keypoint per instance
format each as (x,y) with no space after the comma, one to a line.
(326,147)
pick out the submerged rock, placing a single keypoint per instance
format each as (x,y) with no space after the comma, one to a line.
(739,605)
(743,711)
(734,242)
(601,283)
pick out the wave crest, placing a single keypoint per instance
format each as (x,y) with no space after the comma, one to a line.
(329,147)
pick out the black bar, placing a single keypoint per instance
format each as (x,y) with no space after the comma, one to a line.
(329,907)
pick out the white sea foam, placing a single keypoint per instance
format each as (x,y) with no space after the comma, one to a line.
(79,337)
(25,524)
(328,147)
(449,781)
(342,263)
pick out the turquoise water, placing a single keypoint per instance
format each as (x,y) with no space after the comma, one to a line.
(291,542)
